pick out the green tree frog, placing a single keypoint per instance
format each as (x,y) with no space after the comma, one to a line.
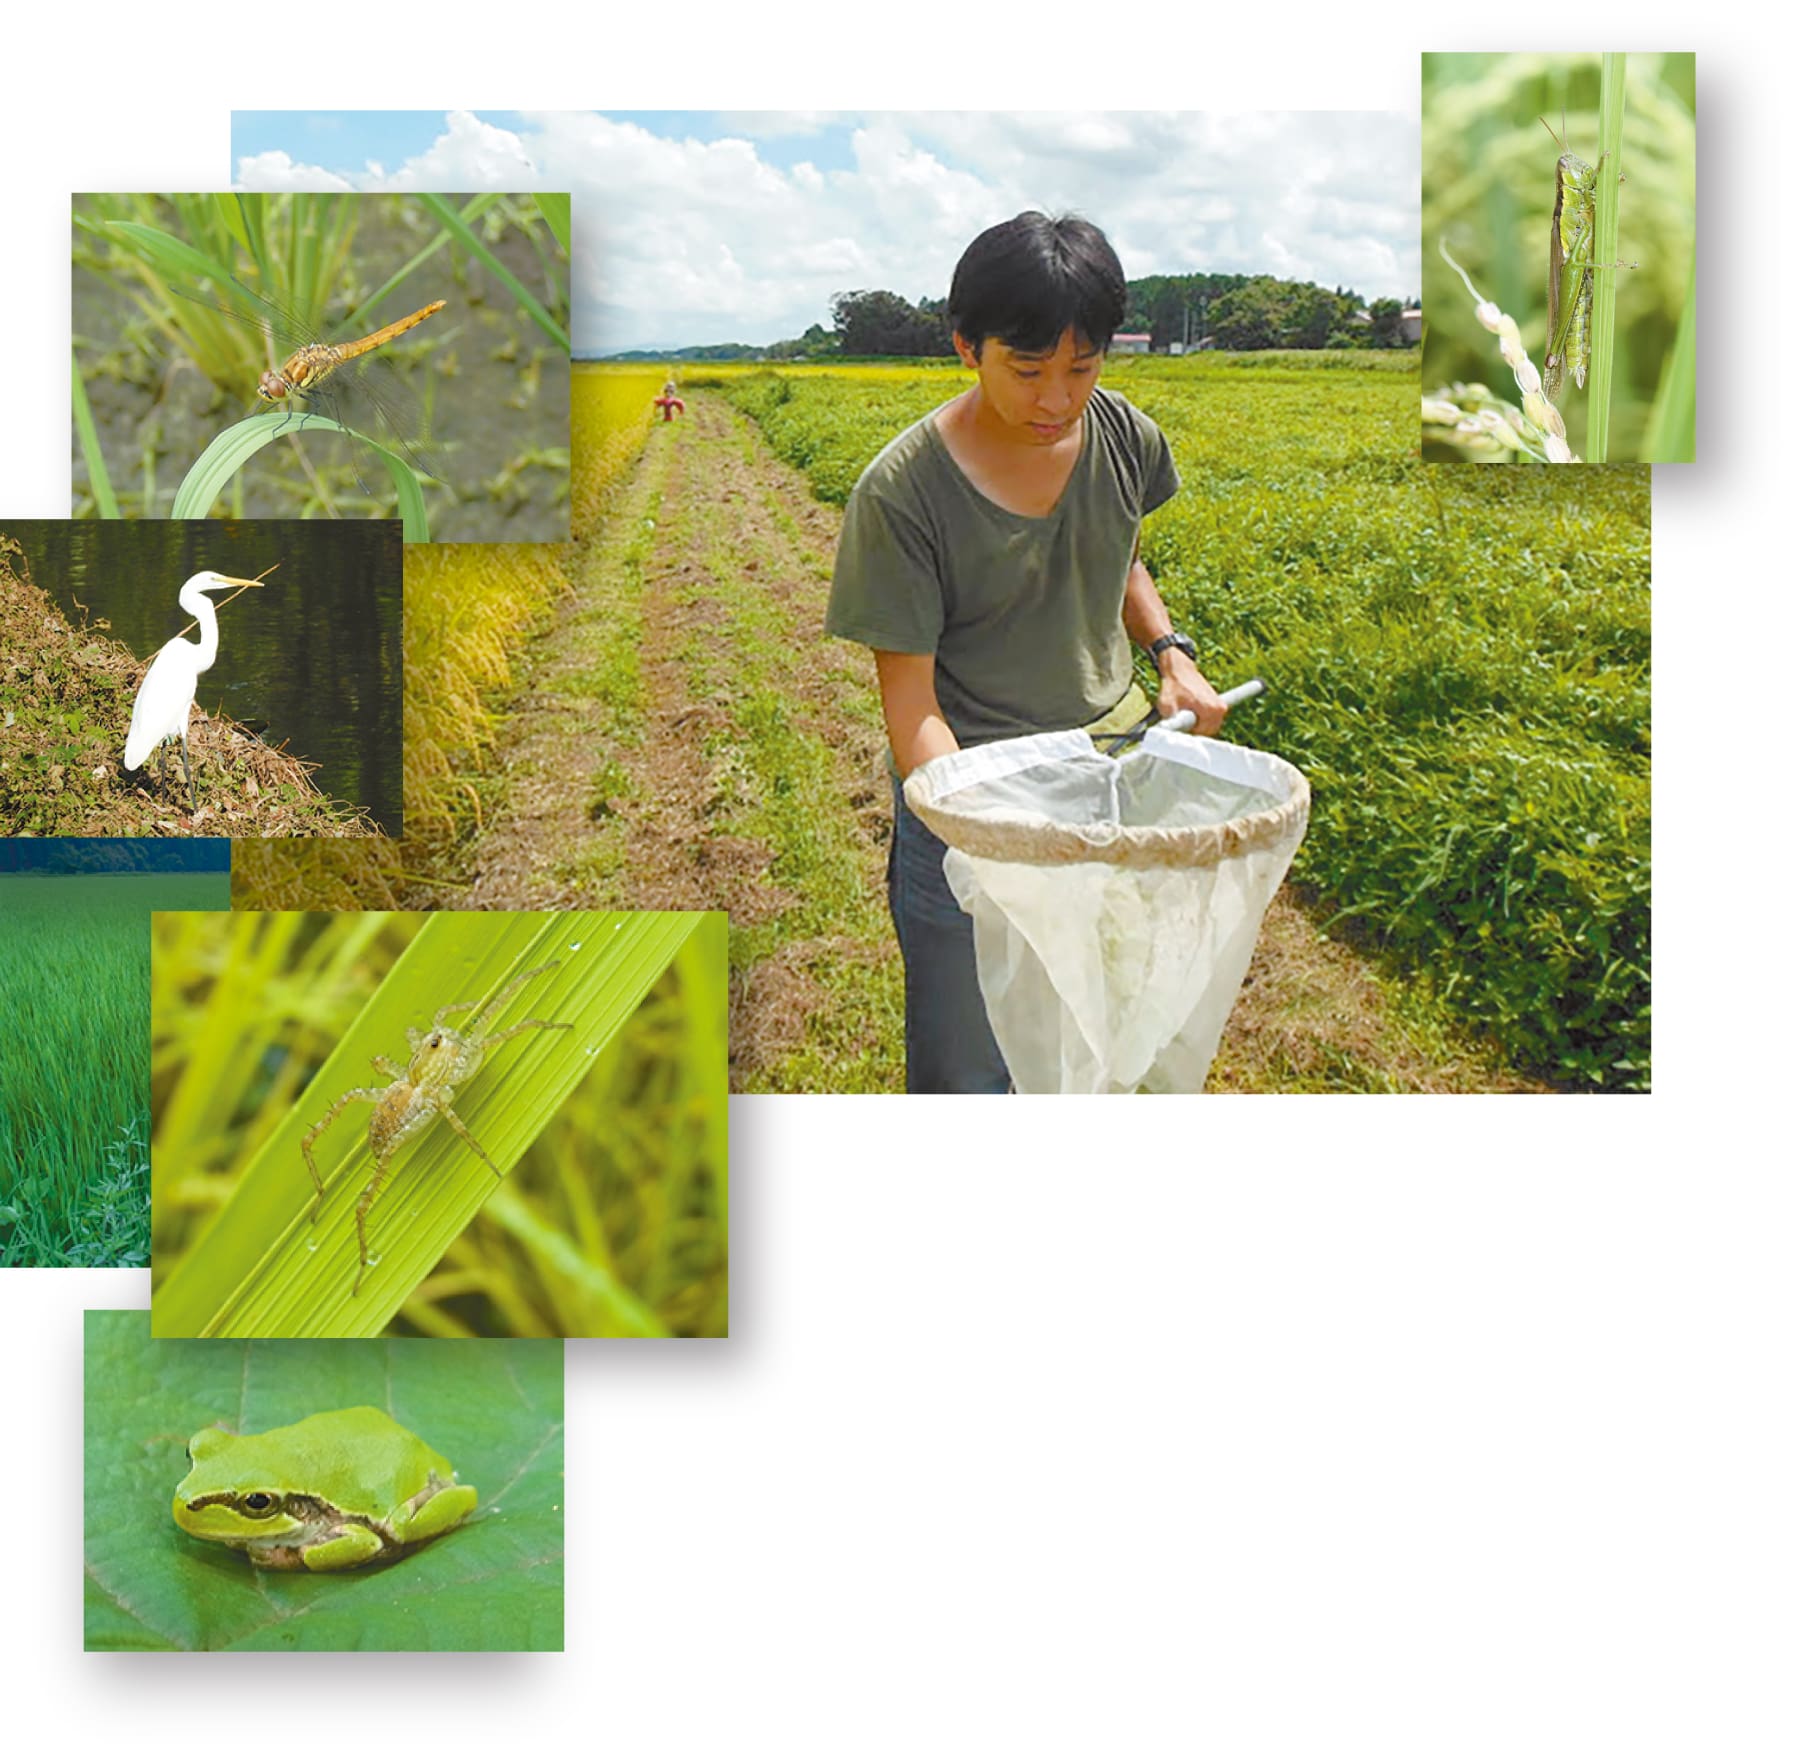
(333,1491)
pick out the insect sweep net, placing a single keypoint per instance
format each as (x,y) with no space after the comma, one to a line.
(1116,901)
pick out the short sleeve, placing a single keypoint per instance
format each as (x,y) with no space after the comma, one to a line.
(1160,478)
(886,586)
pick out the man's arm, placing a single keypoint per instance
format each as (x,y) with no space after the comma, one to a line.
(1183,687)
(915,723)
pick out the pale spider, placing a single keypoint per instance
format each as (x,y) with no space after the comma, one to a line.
(441,1059)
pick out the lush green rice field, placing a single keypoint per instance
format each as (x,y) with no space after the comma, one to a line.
(74,1087)
(1458,658)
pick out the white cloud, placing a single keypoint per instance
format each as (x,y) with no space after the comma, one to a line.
(470,155)
(691,241)
(776,125)
(276,171)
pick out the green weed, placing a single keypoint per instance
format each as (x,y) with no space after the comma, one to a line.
(74,1088)
(1459,660)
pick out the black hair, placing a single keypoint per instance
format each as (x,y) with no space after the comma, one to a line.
(1030,279)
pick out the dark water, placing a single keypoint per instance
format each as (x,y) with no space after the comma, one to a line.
(311,660)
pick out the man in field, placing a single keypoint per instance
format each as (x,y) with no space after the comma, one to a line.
(989,557)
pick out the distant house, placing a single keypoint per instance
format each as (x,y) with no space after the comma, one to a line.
(1411,319)
(1130,343)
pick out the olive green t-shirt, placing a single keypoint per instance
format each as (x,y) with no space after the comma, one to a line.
(1022,612)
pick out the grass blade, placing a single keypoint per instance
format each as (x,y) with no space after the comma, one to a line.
(472,242)
(263,1268)
(232,449)
(555,206)
(98,479)
(1670,433)
(1606,251)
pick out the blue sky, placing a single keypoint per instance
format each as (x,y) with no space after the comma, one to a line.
(711,227)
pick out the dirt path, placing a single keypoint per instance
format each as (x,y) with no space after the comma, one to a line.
(685,737)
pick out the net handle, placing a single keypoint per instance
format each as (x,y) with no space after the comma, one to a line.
(1184,719)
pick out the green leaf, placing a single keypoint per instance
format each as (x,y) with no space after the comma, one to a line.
(98,480)
(232,449)
(264,1268)
(472,242)
(242,217)
(555,206)
(171,257)
(493,1408)
(1669,434)
(1606,252)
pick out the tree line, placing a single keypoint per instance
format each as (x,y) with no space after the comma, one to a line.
(1194,311)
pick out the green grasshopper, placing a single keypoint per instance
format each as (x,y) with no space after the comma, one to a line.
(1572,266)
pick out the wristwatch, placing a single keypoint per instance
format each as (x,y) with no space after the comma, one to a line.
(1175,640)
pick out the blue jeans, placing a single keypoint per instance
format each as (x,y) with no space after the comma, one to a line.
(949,1045)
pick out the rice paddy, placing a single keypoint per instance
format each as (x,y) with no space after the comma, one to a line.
(74,1088)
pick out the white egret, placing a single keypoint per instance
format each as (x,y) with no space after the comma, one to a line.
(166,697)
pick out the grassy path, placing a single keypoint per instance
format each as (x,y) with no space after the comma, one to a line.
(686,737)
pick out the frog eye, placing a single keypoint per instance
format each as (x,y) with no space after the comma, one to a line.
(258,1503)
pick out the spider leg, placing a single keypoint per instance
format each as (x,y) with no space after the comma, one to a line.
(493,1005)
(437,1022)
(363,1202)
(313,1132)
(386,1067)
(520,1028)
(455,1121)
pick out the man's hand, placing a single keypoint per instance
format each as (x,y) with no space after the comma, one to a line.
(1184,687)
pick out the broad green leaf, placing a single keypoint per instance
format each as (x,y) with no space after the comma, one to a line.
(493,1408)
(264,1268)
(232,449)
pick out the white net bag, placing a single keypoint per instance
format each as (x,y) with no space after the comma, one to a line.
(1116,901)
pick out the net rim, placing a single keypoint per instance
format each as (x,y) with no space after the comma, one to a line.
(1024,838)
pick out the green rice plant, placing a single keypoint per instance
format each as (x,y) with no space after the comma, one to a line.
(74,982)
(1483,428)
(106,505)
(1671,430)
(239,1253)
(1490,182)
(1459,660)
(298,247)
(300,251)
(457,224)
(215,472)
(1606,249)
(557,208)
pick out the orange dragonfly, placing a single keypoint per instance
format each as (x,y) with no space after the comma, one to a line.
(336,379)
